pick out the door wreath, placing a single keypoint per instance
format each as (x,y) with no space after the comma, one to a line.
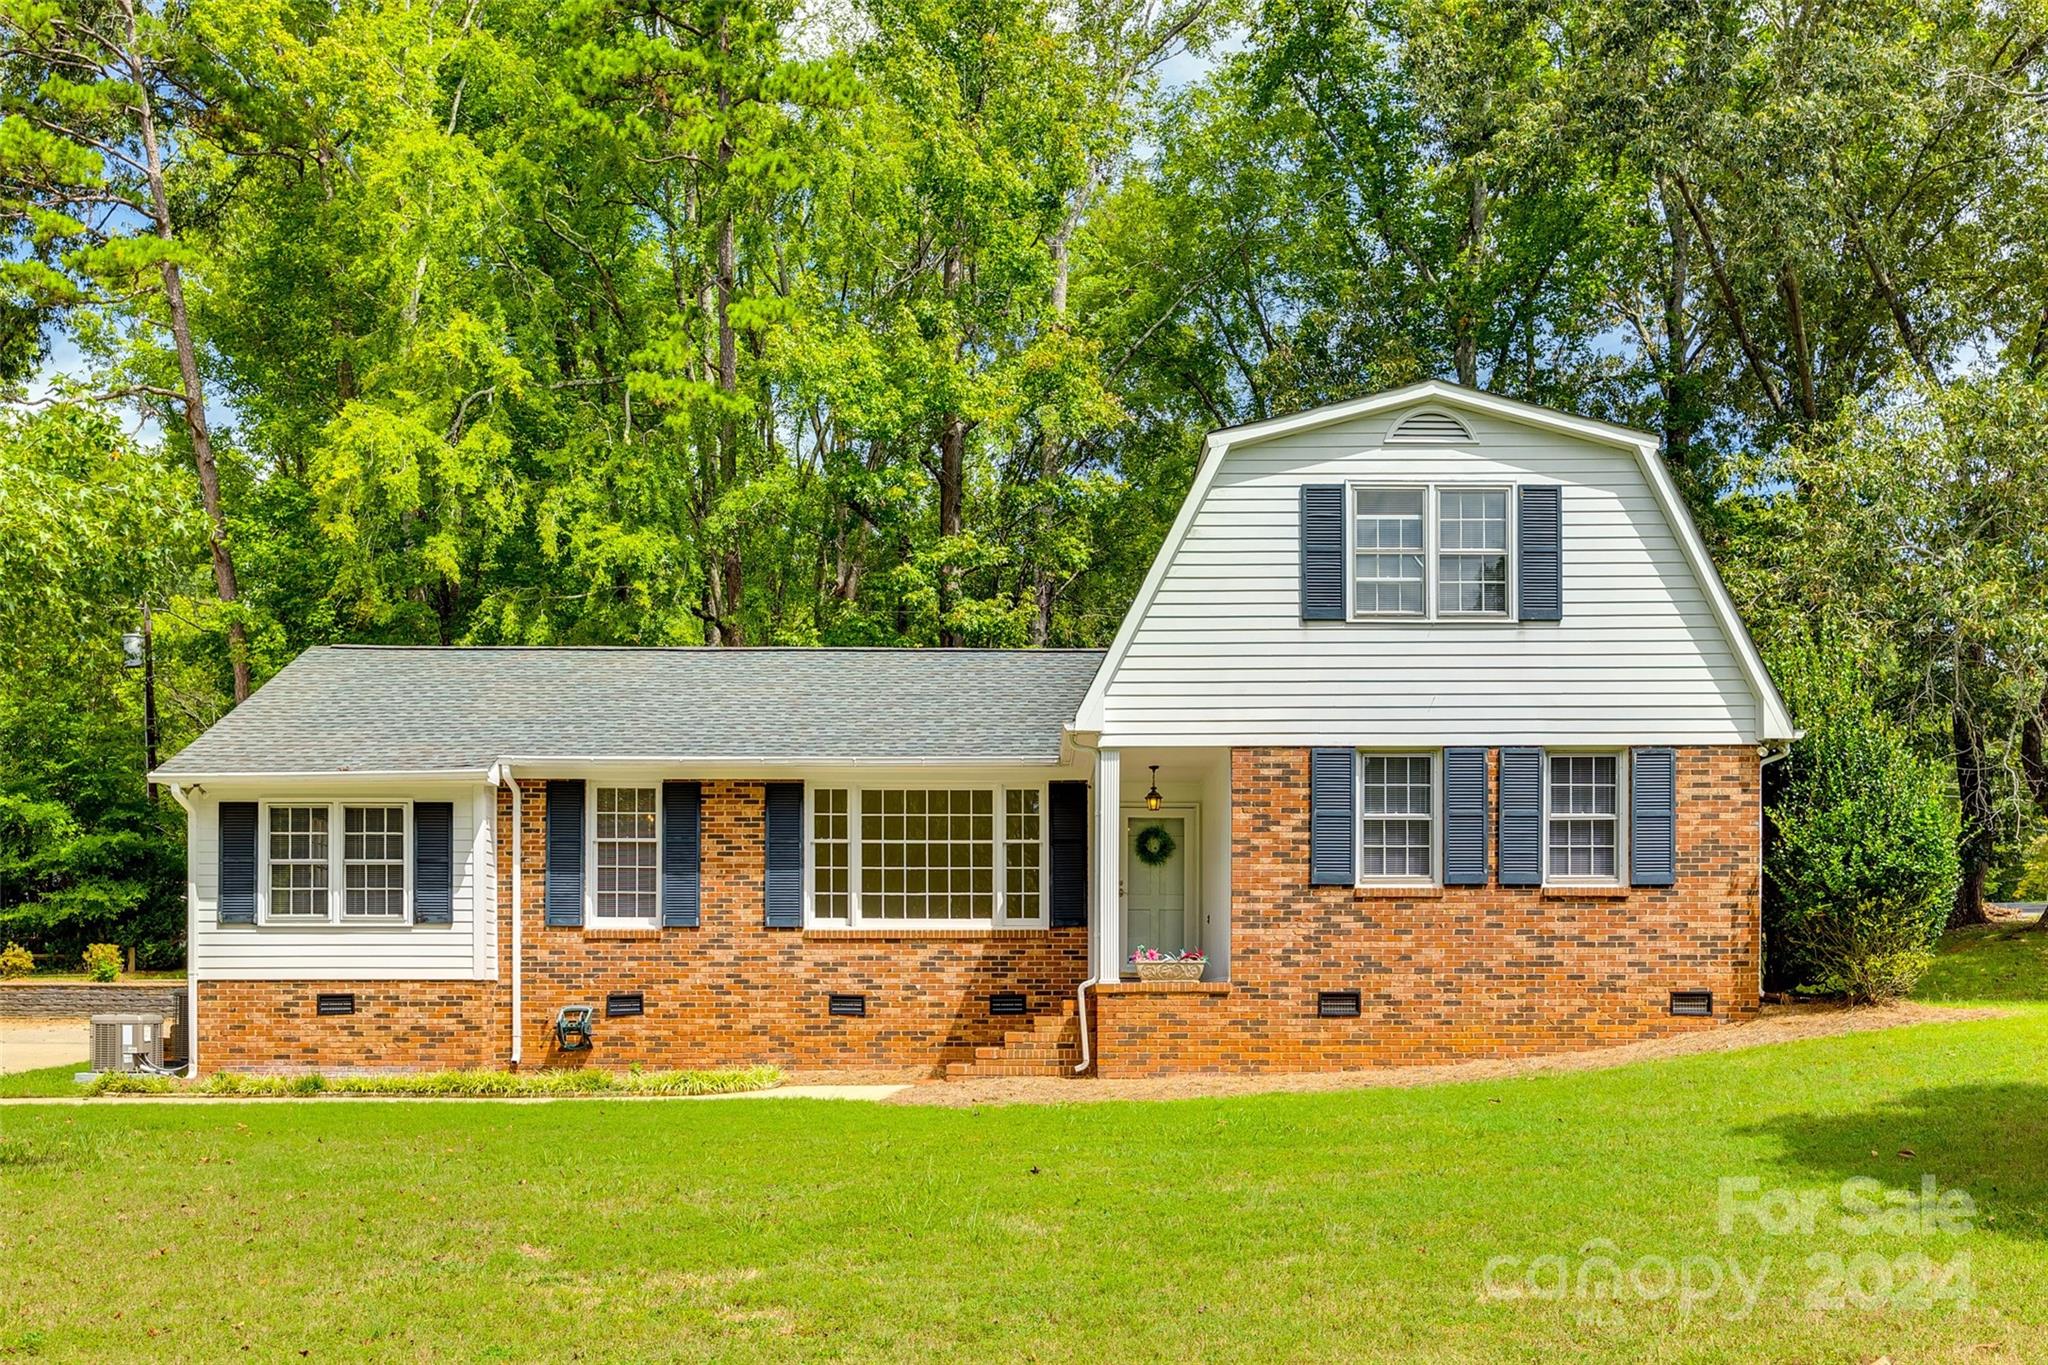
(1154,845)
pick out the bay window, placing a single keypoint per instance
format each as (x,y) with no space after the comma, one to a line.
(926,856)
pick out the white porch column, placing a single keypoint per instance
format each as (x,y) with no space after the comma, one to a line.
(1107,940)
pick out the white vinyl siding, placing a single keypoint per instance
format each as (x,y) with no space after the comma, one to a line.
(1221,656)
(357,950)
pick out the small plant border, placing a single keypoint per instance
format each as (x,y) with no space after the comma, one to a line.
(447,1084)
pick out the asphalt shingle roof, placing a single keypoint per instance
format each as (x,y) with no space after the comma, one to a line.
(377,709)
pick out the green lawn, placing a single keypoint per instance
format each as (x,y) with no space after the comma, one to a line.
(1352,1226)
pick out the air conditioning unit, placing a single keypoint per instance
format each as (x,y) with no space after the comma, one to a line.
(117,1038)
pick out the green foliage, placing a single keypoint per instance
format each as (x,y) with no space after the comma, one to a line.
(102,962)
(16,961)
(453,1083)
(1861,864)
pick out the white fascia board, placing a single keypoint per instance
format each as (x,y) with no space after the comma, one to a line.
(191,780)
(1774,721)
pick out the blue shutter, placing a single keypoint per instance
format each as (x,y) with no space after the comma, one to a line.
(1066,829)
(1539,554)
(1465,817)
(1653,817)
(785,831)
(564,897)
(1332,789)
(682,804)
(1322,552)
(237,863)
(1521,817)
(433,862)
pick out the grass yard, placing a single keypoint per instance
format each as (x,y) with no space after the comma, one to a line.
(1373,1224)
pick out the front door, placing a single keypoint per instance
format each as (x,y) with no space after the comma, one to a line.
(1156,883)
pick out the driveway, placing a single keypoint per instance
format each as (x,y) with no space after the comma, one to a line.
(30,1044)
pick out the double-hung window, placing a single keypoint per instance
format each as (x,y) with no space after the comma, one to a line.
(1582,818)
(1433,552)
(1397,818)
(927,856)
(313,848)
(626,857)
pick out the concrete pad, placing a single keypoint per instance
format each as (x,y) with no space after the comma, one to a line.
(31,1044)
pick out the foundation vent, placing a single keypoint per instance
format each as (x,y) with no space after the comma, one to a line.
(335,1004)
(1337,1004)
(619,1004)
(1696,1003)
(848,1006)
(1006,1002)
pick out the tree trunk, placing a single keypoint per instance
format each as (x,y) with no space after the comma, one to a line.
(193,402)
(728,624)
(1975,844)
(952,480)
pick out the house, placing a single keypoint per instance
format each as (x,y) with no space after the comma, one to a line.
(1432,725)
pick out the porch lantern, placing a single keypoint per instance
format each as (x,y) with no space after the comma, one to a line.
(1152,797)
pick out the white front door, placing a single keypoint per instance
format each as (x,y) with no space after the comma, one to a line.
(1156,896)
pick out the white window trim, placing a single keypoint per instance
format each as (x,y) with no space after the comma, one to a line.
(854,920)
(590,916)
(1431,554)
(336,874)
(1621,816)
(1436,817)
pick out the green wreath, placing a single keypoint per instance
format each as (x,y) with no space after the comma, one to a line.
(1154,845)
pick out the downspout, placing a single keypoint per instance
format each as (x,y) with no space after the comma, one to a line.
(191,945)
(1094,928)
(518,905)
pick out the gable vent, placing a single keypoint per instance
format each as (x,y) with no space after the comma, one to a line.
(1430,426)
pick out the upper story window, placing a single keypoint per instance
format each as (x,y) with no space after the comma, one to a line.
(1583,818)
(627,859)
(306,863)
(1430,552)
(934,856)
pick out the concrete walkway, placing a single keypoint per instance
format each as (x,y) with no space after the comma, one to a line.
(32,1044)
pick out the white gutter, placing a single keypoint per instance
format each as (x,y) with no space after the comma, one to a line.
(1095,927)
(450,774)
(191,944)
(518,980)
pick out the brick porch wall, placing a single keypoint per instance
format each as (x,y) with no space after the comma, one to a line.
(1460,973)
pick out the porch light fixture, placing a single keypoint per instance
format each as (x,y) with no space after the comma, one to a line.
(1152,797)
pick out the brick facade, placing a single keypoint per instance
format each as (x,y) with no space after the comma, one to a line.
(1460,972)
(1453,974)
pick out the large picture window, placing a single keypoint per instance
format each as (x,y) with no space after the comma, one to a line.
(314,849)
(1397,817)
(627,861)
(1584,817)
(934,856)
(1432,552)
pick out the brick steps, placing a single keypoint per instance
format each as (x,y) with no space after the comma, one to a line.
(1049,1046)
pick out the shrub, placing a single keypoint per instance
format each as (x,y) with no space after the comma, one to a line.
(16,960)
(103,962)
(487,1083)
(1861,865)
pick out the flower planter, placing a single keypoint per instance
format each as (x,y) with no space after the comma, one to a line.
(1169,971)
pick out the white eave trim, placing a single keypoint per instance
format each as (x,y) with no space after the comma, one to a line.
(189,780)
(1774,722)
